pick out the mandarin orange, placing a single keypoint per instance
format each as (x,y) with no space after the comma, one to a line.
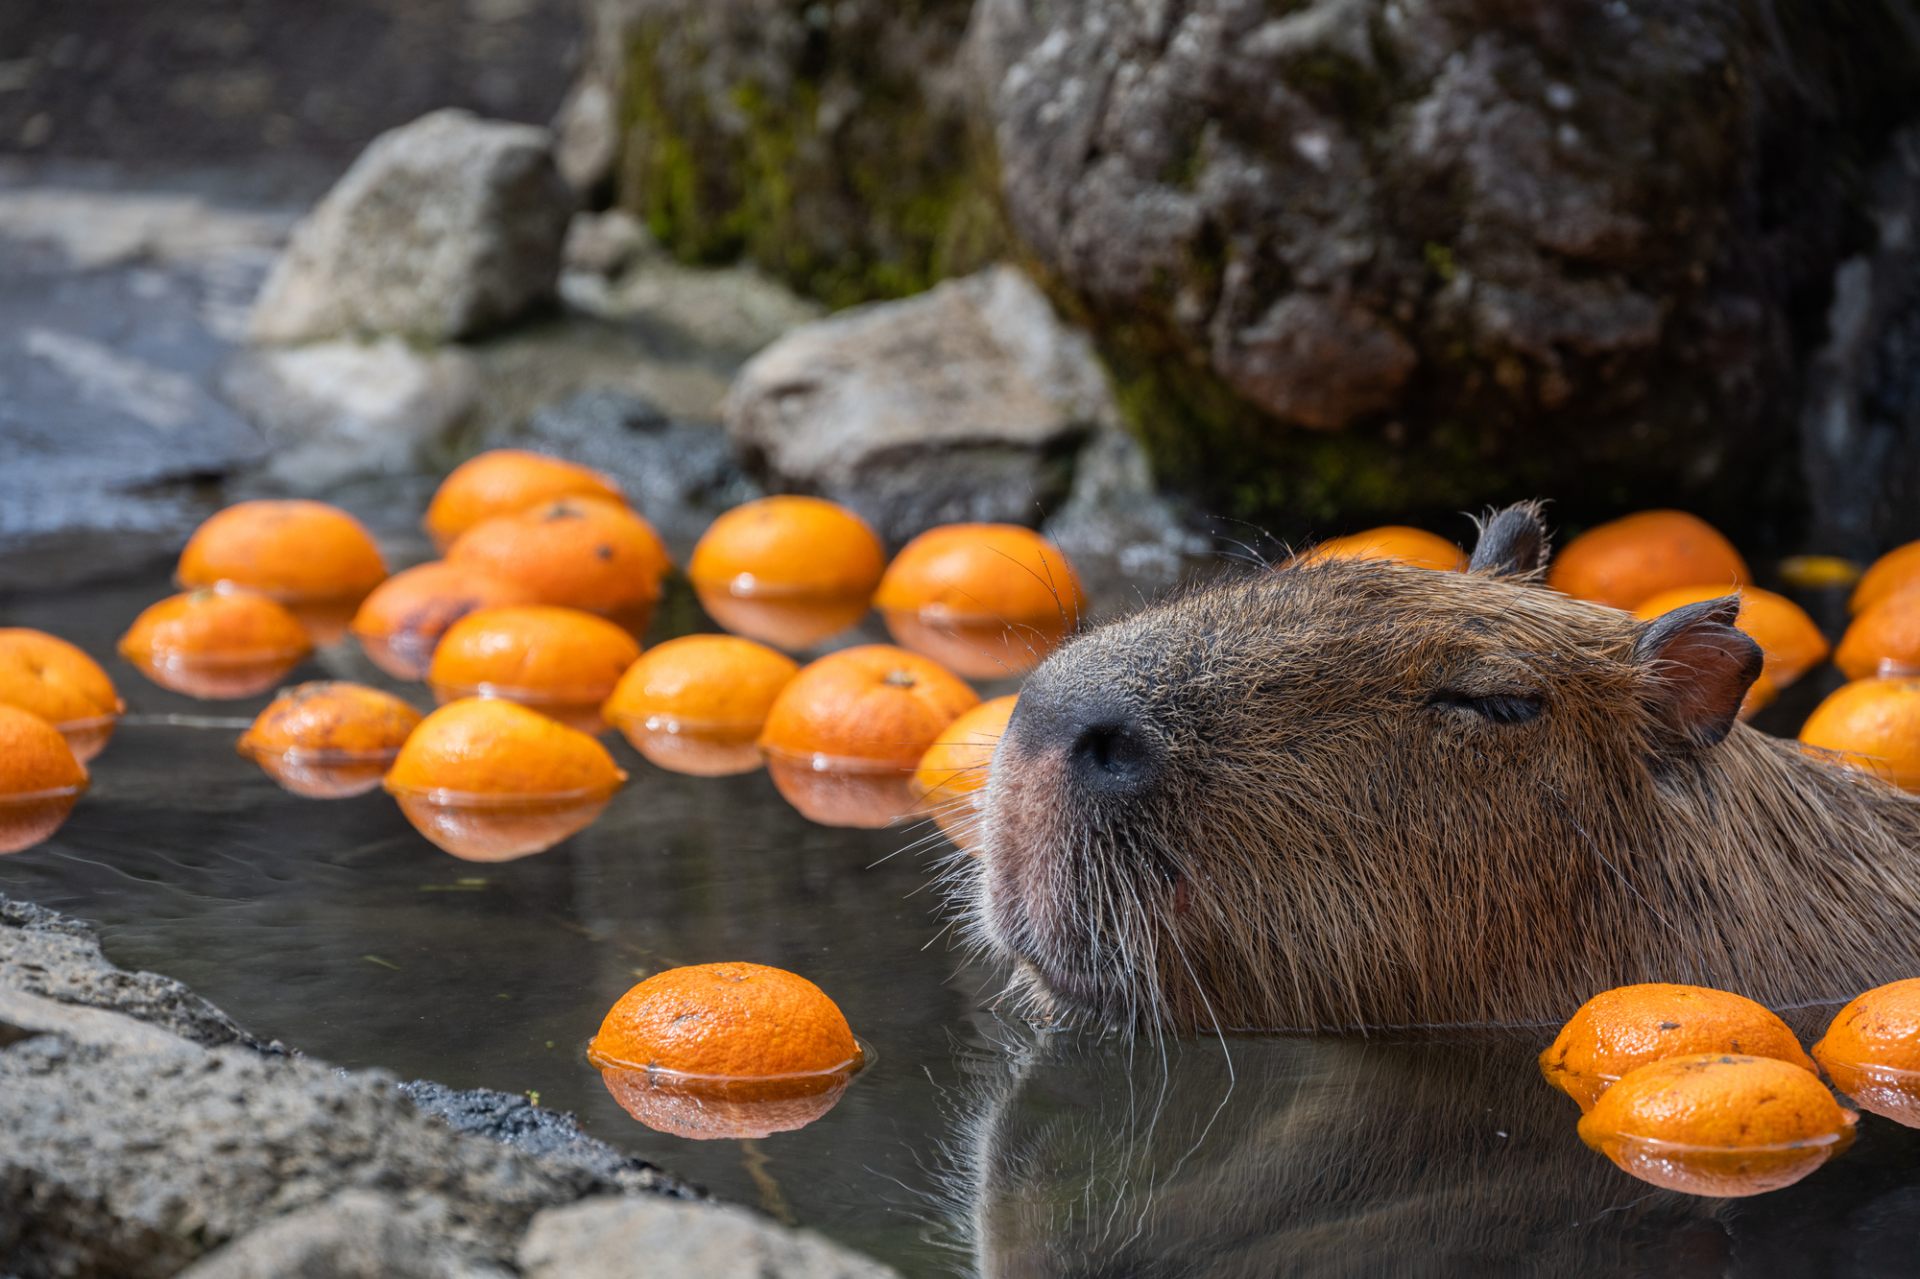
(503,481)
(1872,725)
(292,550)
(696,704)
(1789,640)
(985,599)
(1884,637)
(871,707)
(953,770)
(728,1021)
(1872,1051)
(1390,542)
(787,547)
(1894,571)
(557,660)
(40,780)
(328,739)
(399,624)
(57,681)
(217,642)
(1623,562)
(585,553)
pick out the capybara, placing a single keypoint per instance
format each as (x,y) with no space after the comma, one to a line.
(1350,794)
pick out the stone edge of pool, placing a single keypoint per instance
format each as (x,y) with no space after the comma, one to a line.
(148,1134)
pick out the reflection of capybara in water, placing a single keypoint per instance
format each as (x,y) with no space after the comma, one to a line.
(1361,794)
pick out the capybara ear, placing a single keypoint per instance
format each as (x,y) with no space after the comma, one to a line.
(1698,667)
(1513,542)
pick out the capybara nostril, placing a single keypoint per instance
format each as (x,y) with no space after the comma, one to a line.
(1108,755)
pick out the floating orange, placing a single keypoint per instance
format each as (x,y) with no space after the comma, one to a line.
(1884,638)
(503,481)
(584,553)
(985,599)
(1390,542)
(316,559)
(1872,725)
(40,780)
(697,704)
(1894,571)
(1623,562)
(219,642)
(490,780)
(328,739)
(560,661)
(57,681)
(1720,1124)
(953,771)
(401,622)
(788,570)
(1624,1028)
(1789,640)
(1872,1051)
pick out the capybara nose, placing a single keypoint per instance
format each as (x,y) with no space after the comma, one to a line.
(1109,756)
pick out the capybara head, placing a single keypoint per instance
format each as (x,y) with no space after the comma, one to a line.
(1354,793)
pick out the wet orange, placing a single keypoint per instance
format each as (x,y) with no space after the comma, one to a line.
(1390,542)
(328,739)
(219,642)
(504,481)
(1894,571)
(486,747)
(1624,1028)
(40,780)
(585,553)
(986,599)
(1623,562)
(789,547)
(874,706)
(954,769)
(697,704)
(1884,638)
(1872,1051)
(1789,641)
(401,622)
(557,660)
(290,550)
(58,682)
(1721,1124)
(728,1021)
(1872,725)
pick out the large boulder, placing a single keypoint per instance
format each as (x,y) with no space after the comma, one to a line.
(1353,258)
(968,402)
(603,1238)
(829,143)
(443,228)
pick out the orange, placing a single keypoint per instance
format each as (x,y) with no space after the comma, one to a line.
(558,660)
(291,550)
(727,1021)
(1629,1026)
(1720,1124)
(399,624)
(219,642)
(1872,1050)
(986,599)
(1623,562)
(328,739)
(954,769)
(585,553)
(503,481)
(1872,725)
(58,682)
(1760,695)
(1818,572)
(1884,638)
(1789,640)
(697,704)
(1390,542)
(1896,570)
(789,546)
(40,780)
(874,706)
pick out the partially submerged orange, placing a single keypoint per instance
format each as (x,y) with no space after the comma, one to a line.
(1390,542)
(40,780)
(401,622)
(328,739)
(1872,725)
(57,681)
(1872,1051)
(1621,1029)
(503,481)
(1894,571)
(315,558)
(1884,637)
(953,771)
(216,642)
(985,599)
(788,570)
(584,553)
(1790,642)
(1623,562)
(560,661)
(697,704)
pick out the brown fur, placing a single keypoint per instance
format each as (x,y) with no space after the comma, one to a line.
(1334,842)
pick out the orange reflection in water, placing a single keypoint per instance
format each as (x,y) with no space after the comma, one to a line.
(841,794)
(499,828)
(1720,1173)
(980,647)
(693,748)
(705,1109)
(323,774)
(32,818)
(217,678)
(792,622)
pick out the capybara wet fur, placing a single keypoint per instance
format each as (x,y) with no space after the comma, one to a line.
(1352,794)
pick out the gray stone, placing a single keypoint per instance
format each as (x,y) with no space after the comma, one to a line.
(443,228)
(965,403)
(618,1238)
(716,314)
(333,411)
(1120,531)
(587,136)
(356,1234)
(604,243)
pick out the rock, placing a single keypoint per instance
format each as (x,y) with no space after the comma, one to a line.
(1121,533)
(333,411)
(604,243)
(720,315)
(442,229)
(1503,250)
(587,138)
(830,144)
(966,403)
(356,1234)
(607,1238)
